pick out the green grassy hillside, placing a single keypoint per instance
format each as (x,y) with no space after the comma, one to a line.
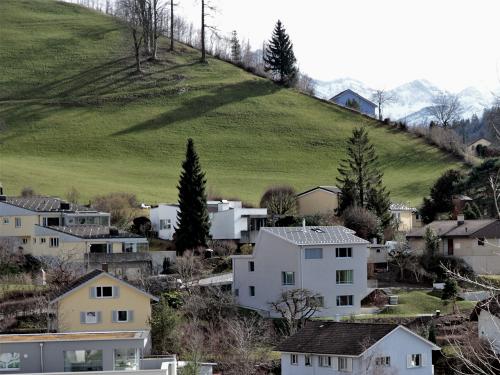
(73,114)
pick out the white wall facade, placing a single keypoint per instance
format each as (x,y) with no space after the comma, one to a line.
(273,255)
(398,345)
(489,329)
(168,213)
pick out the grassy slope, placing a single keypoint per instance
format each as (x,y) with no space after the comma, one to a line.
(72,114)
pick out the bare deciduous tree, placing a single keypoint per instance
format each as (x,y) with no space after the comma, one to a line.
(445,109)
(296,306)
(381,98)
(206,8)
(133,13)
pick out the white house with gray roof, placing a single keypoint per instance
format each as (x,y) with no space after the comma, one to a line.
(328,260)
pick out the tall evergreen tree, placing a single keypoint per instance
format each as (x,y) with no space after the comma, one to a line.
(235,48)
(361,179)
(192,223)
(279,57)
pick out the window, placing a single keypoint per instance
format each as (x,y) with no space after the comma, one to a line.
(10,361)
(43,240)
(480,241)
(251,290)
(18,222)
(122,316)
(288,278)
(294,359)
(308,360)
(54,242)
(82,360)
(126,359)
(314,253)
(383,361)
(25,241)
(343,252)
(6,220)
(128,247)
(317,301)
(104,292)
(344,300)
(325,361)
(345,364)
(344,277)
(90,317)
(251,266)
(236,292)
(414,360)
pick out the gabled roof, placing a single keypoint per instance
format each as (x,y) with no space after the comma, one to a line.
(330,189)
(355,94)
(487,228)
(340,338)
(321,235)
(85,279)
(44,204)
(491,305)
(93,231)
(478,139)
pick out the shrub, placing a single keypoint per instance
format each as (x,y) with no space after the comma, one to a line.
(121,206)
(246,249)
(279,200)
(362,221)
(27,192)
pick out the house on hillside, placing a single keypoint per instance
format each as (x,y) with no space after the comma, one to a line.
(330,261)
(407,217)
(325,347)
(98,301)
(229,220)
(487,315)
(472,146)
(47,226)
(318,200)
(475,241)
(348,96)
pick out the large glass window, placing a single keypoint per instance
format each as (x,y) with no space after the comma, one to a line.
(82,360)
(104,291)
(343,252)
(10,361)
(126,359)
(314,253)
(344,300)
(344,276)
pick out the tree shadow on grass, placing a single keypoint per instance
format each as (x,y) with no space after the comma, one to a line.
(200,105)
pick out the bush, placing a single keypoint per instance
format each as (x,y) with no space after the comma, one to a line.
(279,201)
(223,248)
(362,221)
(121,206)
(246,249)
(27,192)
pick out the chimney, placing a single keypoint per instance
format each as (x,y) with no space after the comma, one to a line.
(304,225)
(104,267)
(460,219)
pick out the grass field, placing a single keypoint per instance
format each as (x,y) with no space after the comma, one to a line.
(73,114)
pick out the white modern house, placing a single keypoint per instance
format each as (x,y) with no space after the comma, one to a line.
(487,315)
(328,260)
(229,220)
(325,347)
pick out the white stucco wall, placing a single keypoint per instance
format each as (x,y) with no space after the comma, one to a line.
(273,255)
(489,329)
(398,345)
(164,212)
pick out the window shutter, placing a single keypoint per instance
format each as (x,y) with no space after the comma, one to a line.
(130,315)
(114,316)
(82,318)
(423,358)
(99,317)
(408,361)
(349,364)
(116,292)
(92,292)
(335,363)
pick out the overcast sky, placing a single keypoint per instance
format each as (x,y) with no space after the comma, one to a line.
(384,43)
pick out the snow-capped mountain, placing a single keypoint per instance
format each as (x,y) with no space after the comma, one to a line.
(411,99)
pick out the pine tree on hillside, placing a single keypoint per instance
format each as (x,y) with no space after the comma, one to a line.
(361,179)
(193,223)
(235,48)
(279,57)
